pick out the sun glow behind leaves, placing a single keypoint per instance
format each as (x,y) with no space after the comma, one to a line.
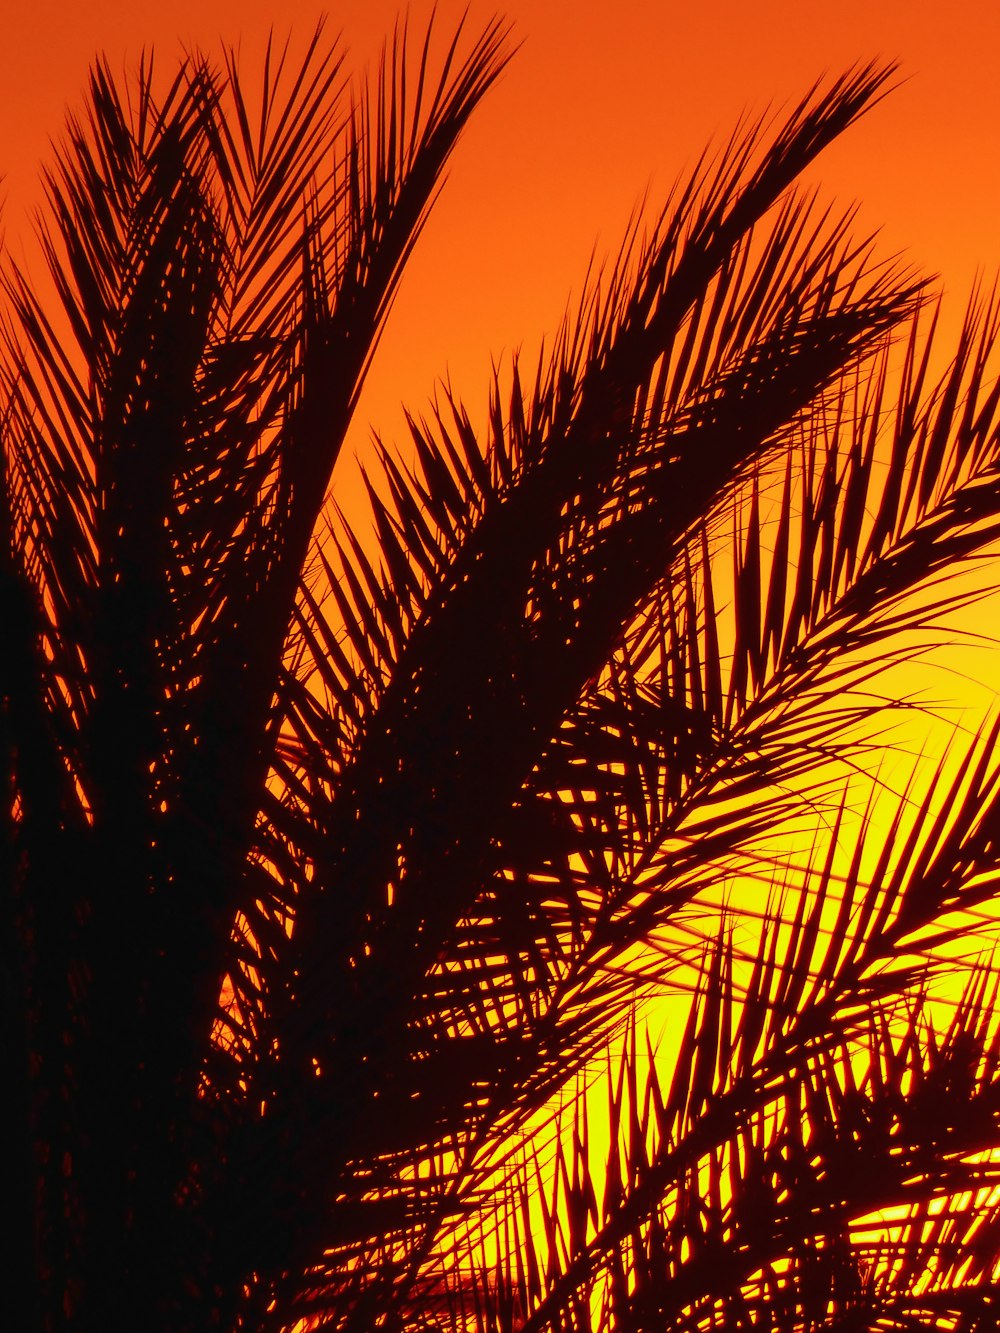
(846,826)
(596,718)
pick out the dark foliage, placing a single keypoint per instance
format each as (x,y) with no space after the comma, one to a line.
(334,879)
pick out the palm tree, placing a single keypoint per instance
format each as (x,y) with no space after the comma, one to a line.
(334,875)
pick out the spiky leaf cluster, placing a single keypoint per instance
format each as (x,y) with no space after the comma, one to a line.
(333,869)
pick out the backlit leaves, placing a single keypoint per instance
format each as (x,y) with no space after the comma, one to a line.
(341,861)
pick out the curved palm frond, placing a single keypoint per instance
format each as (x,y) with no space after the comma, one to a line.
(765,720)
(511,572)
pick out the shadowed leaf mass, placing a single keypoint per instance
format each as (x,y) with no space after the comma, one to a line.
(342,855)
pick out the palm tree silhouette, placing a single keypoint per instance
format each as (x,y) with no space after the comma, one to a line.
(331,873)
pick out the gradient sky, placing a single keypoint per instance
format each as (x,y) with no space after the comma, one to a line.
(592,111)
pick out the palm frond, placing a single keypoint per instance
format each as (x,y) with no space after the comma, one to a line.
(512,570)
(334,872)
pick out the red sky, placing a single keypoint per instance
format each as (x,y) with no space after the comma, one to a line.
(593,110)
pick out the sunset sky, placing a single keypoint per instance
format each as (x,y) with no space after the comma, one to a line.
(604,103)
(592,111)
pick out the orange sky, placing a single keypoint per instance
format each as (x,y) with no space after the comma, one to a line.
(592,110)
